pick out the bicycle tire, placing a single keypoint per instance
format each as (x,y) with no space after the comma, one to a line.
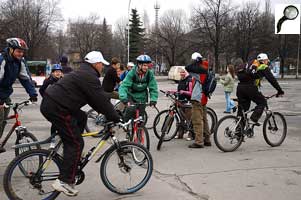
(125,148)
(267,129)
(213,115)
(157,132)
(14,164)
(235,134)
(26,134)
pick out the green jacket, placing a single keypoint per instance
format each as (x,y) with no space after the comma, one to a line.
(134,88)
(228,82)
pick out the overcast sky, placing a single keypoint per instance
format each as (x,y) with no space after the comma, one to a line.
(115,9)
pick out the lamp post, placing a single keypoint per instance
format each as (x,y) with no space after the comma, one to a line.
(129,6)
(297,72)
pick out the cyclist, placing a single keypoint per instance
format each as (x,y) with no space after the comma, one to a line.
(13,66)
(249,76)
(61,106)
(138,83)
(56,74)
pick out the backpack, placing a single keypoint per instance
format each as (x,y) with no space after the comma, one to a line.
(209,84)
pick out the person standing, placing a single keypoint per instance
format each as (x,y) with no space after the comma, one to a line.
(199,70)
(13,66)
(64,63)
(111,79)
(228,83)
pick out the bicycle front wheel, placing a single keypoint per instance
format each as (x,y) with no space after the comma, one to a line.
(166,121)
(120,170)
(35,182)
(142,137)
(228,134)
(151,113)
(212,119)
(274,129)
(24,138)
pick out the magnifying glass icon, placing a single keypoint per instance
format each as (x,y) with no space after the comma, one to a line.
(290,13)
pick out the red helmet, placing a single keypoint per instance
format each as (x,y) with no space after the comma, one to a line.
(17,43)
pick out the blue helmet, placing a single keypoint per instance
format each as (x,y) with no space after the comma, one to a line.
(56,67)
(143,59)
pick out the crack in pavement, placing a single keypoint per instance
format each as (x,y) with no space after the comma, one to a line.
(128,196)
(183,185)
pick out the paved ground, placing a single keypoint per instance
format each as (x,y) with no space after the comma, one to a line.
(254,171)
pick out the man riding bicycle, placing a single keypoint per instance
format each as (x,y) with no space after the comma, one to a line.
(249,76)
(61,106)
(138,83)
(13,66)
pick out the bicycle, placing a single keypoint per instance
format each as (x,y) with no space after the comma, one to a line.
(95,120)
(176,114)
(235,128)
(23,135)
(44,167)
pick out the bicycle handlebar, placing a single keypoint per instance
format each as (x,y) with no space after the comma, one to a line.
(16,105)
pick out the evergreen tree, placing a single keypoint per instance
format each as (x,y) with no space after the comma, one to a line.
(106,40)
(136,36)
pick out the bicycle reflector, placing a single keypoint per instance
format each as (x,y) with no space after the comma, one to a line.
(290,13)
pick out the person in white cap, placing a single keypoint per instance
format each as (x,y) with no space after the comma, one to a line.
(61,106)
(129,66)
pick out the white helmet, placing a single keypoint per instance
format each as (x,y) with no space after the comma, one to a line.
(130,64)
(262,56)
(196,56)
(95,57)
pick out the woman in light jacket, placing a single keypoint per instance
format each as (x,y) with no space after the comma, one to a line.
(228,83)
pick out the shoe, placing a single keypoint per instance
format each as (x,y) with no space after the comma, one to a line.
(67,189)
(207,144)
(2,150)
(188,139)
(195,145)
(227,112)
(252,123)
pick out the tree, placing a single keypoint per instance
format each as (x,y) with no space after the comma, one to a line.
(136,35)
(105,40)
(31,20)
(119,43)
(211,22)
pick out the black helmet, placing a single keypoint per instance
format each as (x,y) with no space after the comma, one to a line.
(17,43)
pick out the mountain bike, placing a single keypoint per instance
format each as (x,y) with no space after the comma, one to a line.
(168,122)
(231,130)
(96,120)
(125,168)
(23,135)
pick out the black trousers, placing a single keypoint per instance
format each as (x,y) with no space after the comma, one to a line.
(70,126)
(246,94)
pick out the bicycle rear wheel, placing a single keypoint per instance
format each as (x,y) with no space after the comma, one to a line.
(228,134)
(151,113)
(121,173)
(212,120)
(170,128)
(35,183)
(274,129)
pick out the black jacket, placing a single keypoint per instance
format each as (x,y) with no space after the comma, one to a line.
(48,81)
(110,80)
(79,88)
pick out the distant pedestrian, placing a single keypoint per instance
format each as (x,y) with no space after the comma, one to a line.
(228,83)
(64,63)
(111,79)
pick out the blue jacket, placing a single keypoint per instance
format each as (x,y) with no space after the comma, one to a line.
(10,70)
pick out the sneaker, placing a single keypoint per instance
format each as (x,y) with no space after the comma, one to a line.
(234,109)
(2,150)
(67,189)
(188,139)
(252,123)
(195,145)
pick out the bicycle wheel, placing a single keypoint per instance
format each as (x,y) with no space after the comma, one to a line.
(211,115)
(141,137)
(170,128)
(151,113)
(228,134)
(26,137)
(36,183)
(274,129)
(121,173)
(95,121)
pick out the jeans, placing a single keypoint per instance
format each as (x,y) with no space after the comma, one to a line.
(229,102)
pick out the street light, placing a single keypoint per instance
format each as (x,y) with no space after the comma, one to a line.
(129,30)
(297,73)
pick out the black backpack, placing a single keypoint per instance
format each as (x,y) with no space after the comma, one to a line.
(209,84)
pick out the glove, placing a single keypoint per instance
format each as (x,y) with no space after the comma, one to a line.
(279,93)
(33,99)
(152,103)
